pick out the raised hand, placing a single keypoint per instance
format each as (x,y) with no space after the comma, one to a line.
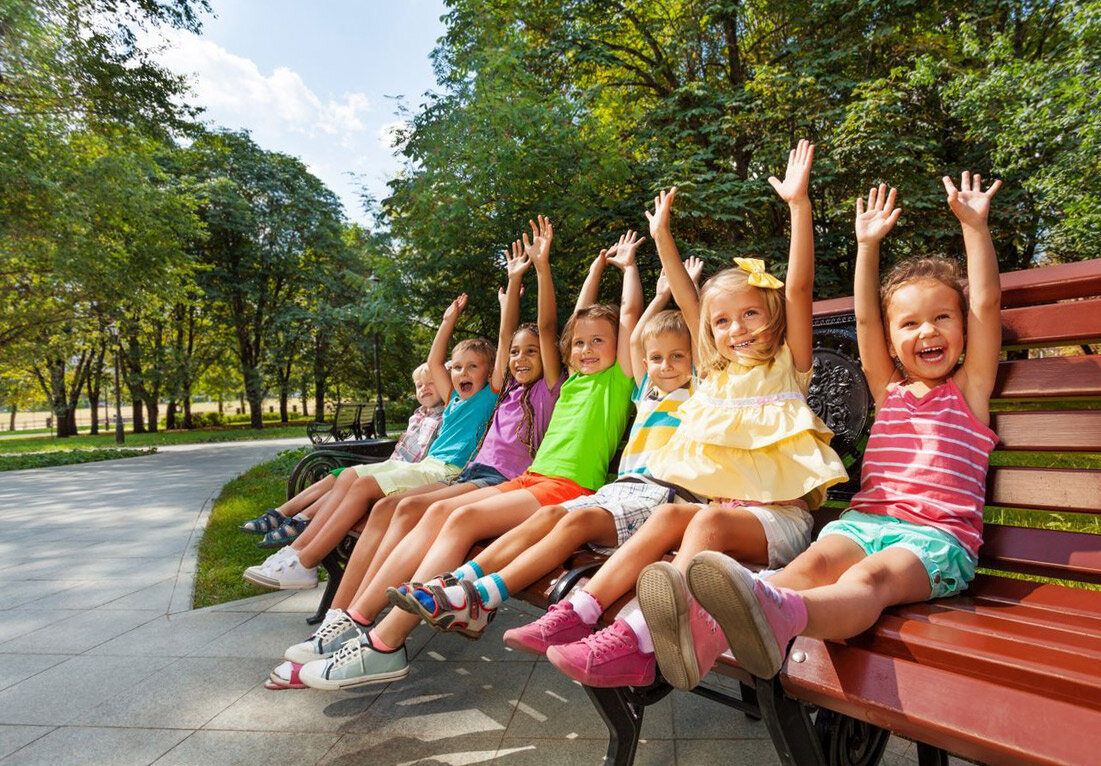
(663,209)
(970,203)
(622,253)
(502,296)
(517,262)
(662,288)
(538,248)
(694,267)
(797,178)
(879,217)
(455,310)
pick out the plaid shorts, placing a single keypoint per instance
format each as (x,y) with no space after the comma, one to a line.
(630,501)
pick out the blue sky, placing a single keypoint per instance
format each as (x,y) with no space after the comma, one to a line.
(315,79)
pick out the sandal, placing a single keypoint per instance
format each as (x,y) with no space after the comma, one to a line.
(276,681)
(265,523)
(283,534)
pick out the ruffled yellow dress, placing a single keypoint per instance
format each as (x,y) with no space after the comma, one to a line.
(748,434)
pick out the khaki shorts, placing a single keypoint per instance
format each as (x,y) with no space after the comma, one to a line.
(397,476)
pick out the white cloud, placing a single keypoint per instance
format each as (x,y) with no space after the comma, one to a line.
(392,135)
(233,86)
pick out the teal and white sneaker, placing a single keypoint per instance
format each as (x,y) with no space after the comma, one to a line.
(337,629)
(356,663)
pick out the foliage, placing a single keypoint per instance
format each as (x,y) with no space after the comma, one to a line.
(27,460)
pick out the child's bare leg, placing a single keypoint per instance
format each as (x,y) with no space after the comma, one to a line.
(356,503)
(734,531)
(409,552)
(307,497)
(853,603)
(326,506)
(464,527)
(577,527)
(822,563)
(661,533)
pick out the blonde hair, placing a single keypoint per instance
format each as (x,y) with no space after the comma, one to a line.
(930,268)
(708,359)
(669,320)
(420,371)
(478,346)
(599,311)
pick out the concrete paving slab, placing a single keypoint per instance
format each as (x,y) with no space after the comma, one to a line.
(18,667)
(354,750)
(156,596)
(79,633)
(295,710)
(265,636)
(578,752)
(695,717)
(18,622)
(89,595)
(732,752)
(247,748)
(80,746)
(174,635)
(14,737)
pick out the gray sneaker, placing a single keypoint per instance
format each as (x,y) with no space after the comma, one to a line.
(355,664)
(330,636)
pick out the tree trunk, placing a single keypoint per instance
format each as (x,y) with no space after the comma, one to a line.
(305,396)
(152,407)
(320,376)
(11,424)
(187,422)
(138,425)
(254,392)
(95,385)
(170,415)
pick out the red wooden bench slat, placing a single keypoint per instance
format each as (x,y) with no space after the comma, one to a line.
(1073,323)
(974,717)
(1054,376)
(1063,430)
(1059,554)
(1050,489)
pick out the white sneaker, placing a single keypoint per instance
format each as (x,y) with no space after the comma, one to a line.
(289,574)
(264,574)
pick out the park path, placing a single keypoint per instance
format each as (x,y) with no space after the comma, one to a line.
(103,662)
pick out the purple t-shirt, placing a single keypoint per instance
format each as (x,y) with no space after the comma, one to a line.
(504,447)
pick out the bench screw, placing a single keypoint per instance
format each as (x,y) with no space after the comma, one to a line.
(798,656)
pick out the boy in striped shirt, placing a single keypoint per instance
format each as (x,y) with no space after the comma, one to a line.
(913,531)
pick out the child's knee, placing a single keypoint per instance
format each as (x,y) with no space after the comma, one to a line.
(409,510)
(549,514)
(674,513)
(438,512)
(584,521)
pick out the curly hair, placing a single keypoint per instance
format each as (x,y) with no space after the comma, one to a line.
(927,269)
(708,358)
(525,429)
(599,311)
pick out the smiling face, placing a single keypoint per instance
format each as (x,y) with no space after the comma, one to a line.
(593,345)
(469,372)
(524,360)
(669,360)
(925,329)
(426,390)
(737,319)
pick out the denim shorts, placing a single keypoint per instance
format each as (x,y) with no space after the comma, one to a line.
(481,476)
(950,566)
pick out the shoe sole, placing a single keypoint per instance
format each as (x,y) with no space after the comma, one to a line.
(730,599)
(402,601)
(520,646)
(329,685)
(663,598)
(303,658)
(276,543)
(268,582)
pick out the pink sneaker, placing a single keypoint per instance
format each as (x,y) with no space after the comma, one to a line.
(687,641)
(560,625)
(609,657)
(759,620)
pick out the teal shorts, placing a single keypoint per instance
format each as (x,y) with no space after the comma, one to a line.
(950,566)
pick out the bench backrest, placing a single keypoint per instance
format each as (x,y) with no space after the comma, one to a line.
(1043,514)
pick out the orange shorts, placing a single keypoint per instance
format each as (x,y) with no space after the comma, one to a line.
(548,490)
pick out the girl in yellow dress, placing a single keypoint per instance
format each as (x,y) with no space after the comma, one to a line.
(747,440)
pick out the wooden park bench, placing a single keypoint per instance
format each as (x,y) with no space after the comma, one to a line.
(346,424)
(1008,672)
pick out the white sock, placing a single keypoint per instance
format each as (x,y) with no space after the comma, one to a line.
(469,571)
(300,517)
(632,615)
(586,606)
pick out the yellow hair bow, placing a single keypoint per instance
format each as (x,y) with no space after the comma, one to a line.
(758,277)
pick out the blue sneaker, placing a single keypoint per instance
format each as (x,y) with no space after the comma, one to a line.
(355,664)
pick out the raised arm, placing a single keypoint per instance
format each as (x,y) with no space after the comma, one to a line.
(984,324)
(680,283)
(517,264)
(437,357)
(538,250)
(630,303)
(799,288)
(872,225)
(590,290)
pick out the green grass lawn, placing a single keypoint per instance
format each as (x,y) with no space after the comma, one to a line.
(10,445)
(225,551)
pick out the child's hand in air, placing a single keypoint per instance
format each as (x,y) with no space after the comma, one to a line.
(662,289)
(970,203)
(873,222)
(797,178)
(517,262)
(663,209)
(455,310)
(622,253)
(694,267)
(538,249)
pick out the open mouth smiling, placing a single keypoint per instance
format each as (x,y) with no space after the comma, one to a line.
(932,354)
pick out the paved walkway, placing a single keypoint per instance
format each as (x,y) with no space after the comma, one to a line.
(101,660)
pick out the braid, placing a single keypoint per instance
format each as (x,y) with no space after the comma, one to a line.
(500,398)
(528,438)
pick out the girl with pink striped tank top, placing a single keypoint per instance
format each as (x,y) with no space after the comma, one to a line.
(913,530)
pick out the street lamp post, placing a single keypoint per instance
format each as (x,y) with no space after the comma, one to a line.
(380,413)
(120,437)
